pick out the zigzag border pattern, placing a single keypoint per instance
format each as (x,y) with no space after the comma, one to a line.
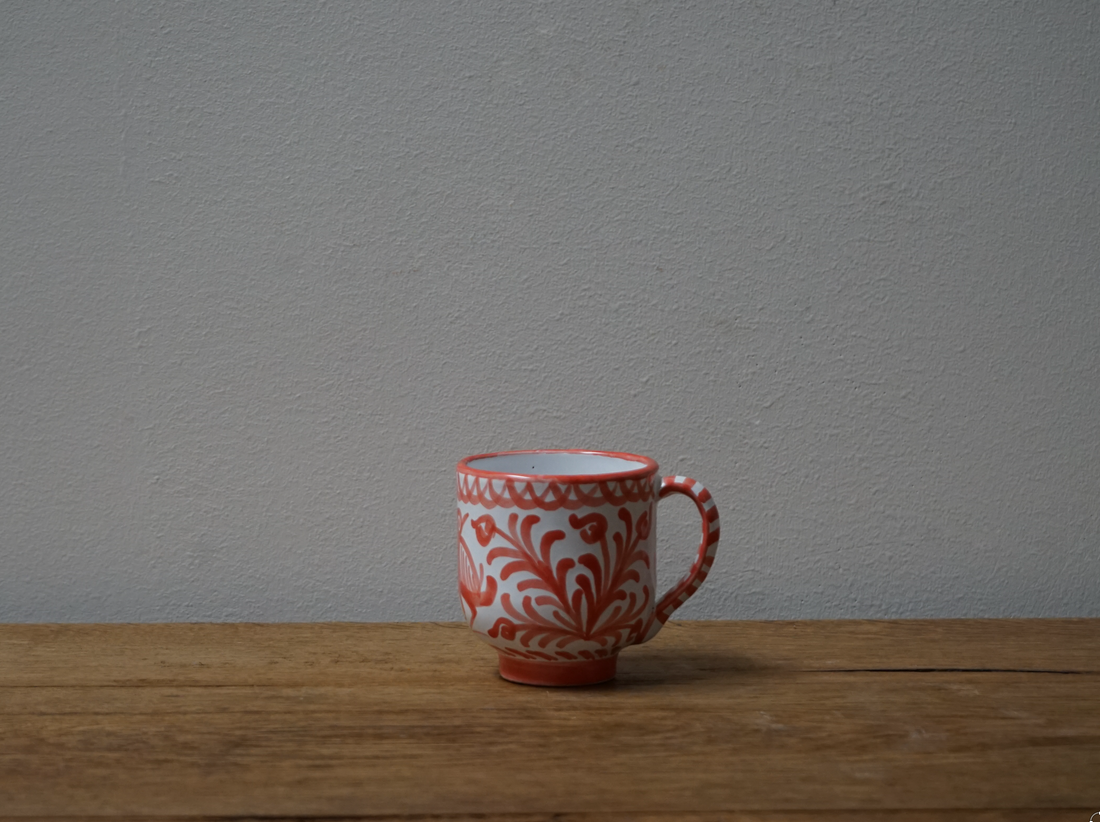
(525,494)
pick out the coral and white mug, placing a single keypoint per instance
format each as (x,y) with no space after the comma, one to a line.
(557,564)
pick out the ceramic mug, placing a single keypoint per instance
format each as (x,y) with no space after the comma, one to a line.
(557,565)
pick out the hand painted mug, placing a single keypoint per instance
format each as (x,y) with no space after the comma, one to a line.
(557,565)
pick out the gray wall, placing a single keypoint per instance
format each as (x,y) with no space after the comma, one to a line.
(267,270)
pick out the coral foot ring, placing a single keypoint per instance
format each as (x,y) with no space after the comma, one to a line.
(534,672)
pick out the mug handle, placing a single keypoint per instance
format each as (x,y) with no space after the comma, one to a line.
(677,595)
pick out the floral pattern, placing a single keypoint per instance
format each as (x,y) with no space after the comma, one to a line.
(564,607)
(474,587)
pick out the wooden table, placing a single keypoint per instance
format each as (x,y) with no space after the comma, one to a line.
(853,720)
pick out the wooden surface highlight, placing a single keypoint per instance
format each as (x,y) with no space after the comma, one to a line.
(982,720)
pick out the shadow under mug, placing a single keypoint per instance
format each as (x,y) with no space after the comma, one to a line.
(557,564)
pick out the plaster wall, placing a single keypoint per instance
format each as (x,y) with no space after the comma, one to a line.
(269,269)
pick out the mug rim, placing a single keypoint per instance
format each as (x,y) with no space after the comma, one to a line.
(648,468)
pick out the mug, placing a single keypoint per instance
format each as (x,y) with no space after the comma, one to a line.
(557,565)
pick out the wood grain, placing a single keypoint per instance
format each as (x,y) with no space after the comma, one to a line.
(968,719)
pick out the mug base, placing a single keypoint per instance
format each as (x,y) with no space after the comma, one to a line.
(536,672)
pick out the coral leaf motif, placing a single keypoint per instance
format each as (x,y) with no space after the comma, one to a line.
(591,527)
(484,528)
(586,600)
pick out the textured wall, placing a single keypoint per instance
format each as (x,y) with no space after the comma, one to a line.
(267,270)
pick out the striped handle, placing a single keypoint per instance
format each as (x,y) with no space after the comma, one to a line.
(687,586)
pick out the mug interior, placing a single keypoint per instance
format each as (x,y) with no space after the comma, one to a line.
(563,464)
